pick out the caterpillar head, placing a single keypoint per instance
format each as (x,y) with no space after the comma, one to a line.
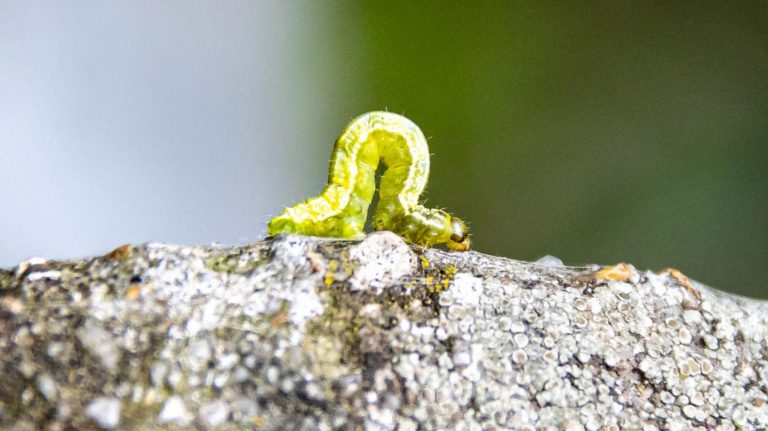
(459,239)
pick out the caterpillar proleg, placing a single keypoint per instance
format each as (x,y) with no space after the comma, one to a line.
(342,207)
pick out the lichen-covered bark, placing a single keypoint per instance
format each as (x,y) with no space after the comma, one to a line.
(309,333)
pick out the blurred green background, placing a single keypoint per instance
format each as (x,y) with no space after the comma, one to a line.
(592,131)
(597,132)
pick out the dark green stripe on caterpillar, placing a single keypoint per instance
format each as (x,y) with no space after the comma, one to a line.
(341,209)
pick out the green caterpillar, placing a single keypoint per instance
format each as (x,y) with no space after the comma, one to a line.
(342,208)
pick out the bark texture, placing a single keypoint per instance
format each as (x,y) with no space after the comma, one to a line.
(308,333)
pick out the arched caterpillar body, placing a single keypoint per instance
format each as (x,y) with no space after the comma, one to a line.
(342,208)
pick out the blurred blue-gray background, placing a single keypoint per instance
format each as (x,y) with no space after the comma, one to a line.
(593,131)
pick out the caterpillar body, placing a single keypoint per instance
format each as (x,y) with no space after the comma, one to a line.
(342,207)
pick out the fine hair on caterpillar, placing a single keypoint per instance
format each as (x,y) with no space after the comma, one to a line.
(342,207)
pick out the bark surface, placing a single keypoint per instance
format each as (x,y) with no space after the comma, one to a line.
(308,333)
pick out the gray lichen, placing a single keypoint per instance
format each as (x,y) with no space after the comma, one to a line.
(309,333)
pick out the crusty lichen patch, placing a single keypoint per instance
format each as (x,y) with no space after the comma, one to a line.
(311,333)
(6,276)
(355,300)
(233,261)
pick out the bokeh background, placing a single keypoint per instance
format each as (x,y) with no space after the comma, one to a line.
(597,132)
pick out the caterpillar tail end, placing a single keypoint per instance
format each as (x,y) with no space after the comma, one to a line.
(282,224)
(459,239)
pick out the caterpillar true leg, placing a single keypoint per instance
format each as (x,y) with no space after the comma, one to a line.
(341,209)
